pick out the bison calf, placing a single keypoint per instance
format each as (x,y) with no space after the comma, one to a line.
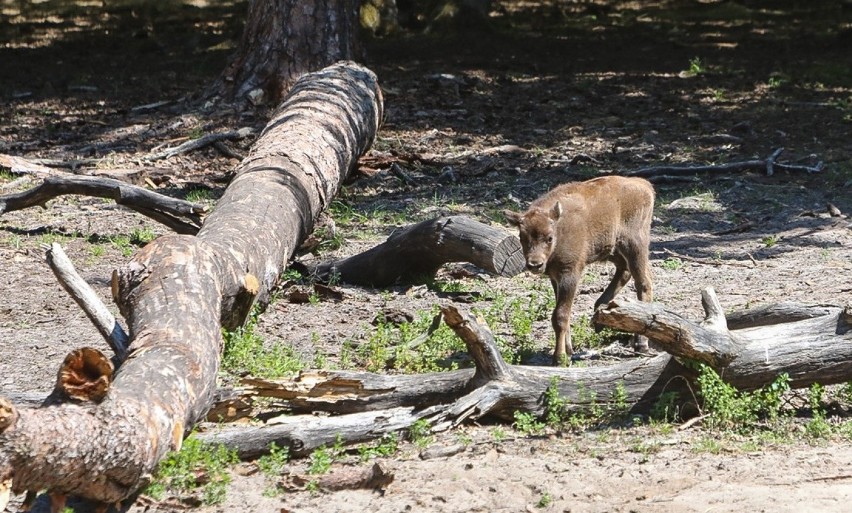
(607,218)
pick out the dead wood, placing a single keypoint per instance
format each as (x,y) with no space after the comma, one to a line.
(374,477)
(201,142)
(417,251)
(364,406)
(179,291)
(767,165)
(179,215)
(87,300)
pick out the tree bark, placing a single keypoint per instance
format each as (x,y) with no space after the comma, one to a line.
(179,291)
(418,251)
(284,39)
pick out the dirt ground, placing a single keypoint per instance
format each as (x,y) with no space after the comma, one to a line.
(478,120)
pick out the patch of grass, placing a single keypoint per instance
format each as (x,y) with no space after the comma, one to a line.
(245,352)
(274,463)
(498,434)
(728,408)
(123,244)
(197,467)
(198,195)
(6,175)
(142,236)
(696,67)
(672,264)
(97,250)
(707,444)
(527,423)
(321,459)
(817,427)
(769,241)
(386,446)
(420,433)
(544,501)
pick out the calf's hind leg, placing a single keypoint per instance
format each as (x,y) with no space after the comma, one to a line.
(640,268)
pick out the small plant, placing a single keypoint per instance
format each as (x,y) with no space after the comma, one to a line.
(544,501)
(817,427)
(498,434)
(729,408)
(696,67)
(387,445)
(245,352)
(665,408)
(769,241)
(420,433)
(6,175)
(273,464)
(97,250)
(707,444)
(322,457)
(527,423)
(197,466)
(672,264)
(198,195)
(142,236)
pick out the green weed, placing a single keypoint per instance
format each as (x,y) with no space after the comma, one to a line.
(544,501)
(769,241)
(196,467)
(245,352)
(198,195)
(696,67)
(420,433)
(142,236)
(672,264)
(728,408)
(527,423)
(387,445)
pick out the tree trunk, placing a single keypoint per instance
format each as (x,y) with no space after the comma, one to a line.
(284,39)
(418,251)
(179,291)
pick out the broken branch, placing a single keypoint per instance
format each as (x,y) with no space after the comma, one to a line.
(179,215)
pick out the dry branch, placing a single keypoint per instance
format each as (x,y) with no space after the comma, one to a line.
(767,165)
(88,300)
(179,215)
(201,142)
(179,291)
(419,250)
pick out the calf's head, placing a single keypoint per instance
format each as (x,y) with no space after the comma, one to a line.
(537,231)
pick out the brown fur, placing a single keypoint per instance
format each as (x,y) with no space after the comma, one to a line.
(603,219)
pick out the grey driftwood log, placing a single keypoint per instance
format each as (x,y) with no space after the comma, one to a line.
(810,344)
(417,251)
(179,291)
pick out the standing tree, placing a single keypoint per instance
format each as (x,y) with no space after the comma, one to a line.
(284,39)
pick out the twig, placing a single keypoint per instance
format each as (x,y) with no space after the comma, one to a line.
(707,261)
(227,151)
(769,165)
(201,142)
(691,422)
(87,299)
(179,215)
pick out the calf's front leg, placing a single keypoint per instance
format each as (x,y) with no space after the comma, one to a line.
(565,287)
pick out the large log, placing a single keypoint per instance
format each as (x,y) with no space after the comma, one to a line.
(417,251)
(179,291)
(815,345)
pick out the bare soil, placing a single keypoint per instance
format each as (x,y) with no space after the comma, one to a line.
(478,120)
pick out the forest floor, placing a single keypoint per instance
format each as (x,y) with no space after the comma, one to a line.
(477,121)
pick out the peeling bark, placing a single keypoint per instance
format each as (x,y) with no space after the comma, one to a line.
(180,290)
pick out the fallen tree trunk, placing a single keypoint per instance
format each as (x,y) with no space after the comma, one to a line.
(179,291)
(420,249)
(774,342)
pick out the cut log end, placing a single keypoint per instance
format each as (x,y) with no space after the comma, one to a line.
(85,375)
(509,257)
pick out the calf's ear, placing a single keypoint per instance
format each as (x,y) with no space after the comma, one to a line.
(556,211)
(512,218)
